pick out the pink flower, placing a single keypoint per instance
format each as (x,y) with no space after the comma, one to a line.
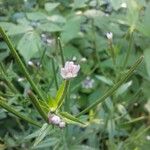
(70,70)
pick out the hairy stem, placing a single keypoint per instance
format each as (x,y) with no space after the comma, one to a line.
(20,63)
(18,114)
(114,88)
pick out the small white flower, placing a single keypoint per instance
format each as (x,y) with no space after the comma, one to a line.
(49,41)
(88,83)
(70,70)
(62,124)
(109,35)
(30,63)
(54,119)
(20,79)
(124,5)
(79,13)
(148,137)
(43,35)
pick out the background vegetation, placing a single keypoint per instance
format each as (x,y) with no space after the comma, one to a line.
(122,121)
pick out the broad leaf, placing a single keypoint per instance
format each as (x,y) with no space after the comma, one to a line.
(51,6)
(71,29)
(35,16)
(144,27)
(29,45)
(50,27)
(13,29)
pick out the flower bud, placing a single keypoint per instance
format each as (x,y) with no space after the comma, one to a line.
(54,119)
(62,124)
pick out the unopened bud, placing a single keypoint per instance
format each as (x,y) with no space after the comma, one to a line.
(62,124)
(30,63)
(83,59)
(54,119)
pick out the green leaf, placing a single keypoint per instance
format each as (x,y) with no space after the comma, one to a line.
(57,19)
(60,91)
(71,29)
(71,51)
(147,59)
(70,118)
(51,6)
(35,16)
(116,4)
(79,4)
(123,88)
(60,95)
(82,147)
(46,144)
(42,134)
(104,79)
(50,27)
(144,26)
(18,114)
(29,45)
(52,104)
(44,106)
(13,29)
(114,88)
(111,128)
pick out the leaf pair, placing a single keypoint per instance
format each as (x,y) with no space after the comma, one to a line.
(55,103)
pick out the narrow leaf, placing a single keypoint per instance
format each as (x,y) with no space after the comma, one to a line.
(71,118)
(18,114)
(42,134)
(60,91)
(60,96)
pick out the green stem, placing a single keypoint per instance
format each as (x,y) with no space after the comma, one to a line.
(114,88)
(129,50)
(95,44)
(8,82)
(54,72)
(20,63)
(37,105)
(18,114)
(134,120)
(61,52)
(112,52)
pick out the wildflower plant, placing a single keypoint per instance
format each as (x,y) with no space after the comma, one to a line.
(57,111)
